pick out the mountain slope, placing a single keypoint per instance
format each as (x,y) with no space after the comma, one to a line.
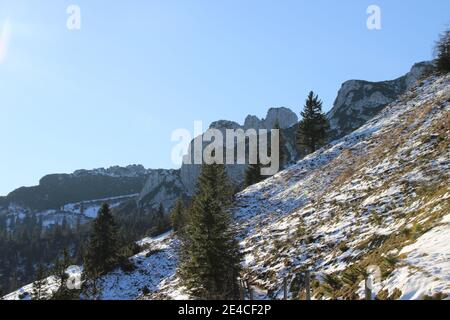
(359,200)
(378,197)
(359,101)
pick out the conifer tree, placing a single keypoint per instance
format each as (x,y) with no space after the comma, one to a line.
(312,129)
(443,52)
(60,271)
(209,257)
(103,249)
(60,267)
(38,285)
(178,216)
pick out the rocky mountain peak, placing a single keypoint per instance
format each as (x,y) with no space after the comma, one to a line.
(359,101)
(285,116)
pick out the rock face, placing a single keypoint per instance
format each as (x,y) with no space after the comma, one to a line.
(359,101)
(162,187)
(286,118)
(190,172)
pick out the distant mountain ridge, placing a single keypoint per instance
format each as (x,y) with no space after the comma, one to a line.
(357,102)
(134,170)
(56,190)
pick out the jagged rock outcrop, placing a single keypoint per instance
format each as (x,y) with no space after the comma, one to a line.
(359,101)
(190,172)
(286,117)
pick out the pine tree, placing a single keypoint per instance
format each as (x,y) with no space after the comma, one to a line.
(209,257)
(103,249)
(39,284)
(443,52)
(312,129)
(178,216)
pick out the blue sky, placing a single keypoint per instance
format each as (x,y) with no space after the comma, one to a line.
(113,92)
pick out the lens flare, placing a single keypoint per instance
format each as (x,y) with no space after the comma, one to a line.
(5,36)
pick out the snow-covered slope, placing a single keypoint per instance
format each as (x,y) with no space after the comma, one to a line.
(377,199)
(359,201)
(156,263)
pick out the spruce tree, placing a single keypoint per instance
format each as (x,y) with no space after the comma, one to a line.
(312,129)
(443,52)
(38,286)
(177,216)
(103,249)
(209,257)
(60,272)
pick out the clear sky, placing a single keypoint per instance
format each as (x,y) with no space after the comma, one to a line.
(112,92)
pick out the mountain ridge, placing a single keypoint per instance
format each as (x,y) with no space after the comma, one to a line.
(163,186)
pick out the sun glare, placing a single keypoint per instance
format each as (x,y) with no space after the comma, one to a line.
(5,36)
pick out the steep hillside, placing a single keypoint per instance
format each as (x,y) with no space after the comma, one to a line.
(377,198)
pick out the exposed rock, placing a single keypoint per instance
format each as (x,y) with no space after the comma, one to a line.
(162,187)
(252,122)
(286,118)
(359,101)
(116,171)
(190,172)
(224,124)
